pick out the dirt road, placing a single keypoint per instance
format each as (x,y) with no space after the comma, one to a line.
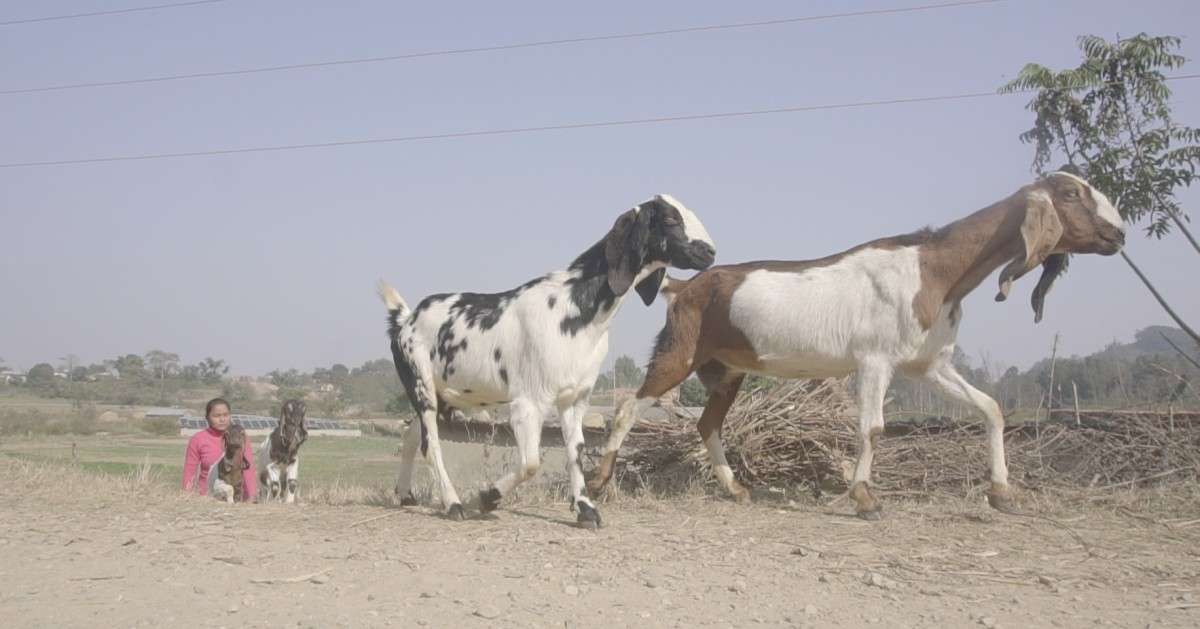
(76,552)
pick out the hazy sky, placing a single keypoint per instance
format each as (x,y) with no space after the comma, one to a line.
(269,259)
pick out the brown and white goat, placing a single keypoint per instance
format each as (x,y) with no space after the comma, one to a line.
(226,477)
(888,305)
(279,452)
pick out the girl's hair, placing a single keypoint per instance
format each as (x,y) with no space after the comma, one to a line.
(213,403)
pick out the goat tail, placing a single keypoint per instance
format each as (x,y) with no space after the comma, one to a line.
(396,307)
(671,287)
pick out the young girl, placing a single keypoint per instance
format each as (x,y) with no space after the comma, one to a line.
(208,446)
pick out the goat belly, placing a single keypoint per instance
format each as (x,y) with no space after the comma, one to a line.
(803,366)
(472,398)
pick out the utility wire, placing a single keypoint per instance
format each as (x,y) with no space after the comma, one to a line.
(558,127)
(73,16)
(501,47)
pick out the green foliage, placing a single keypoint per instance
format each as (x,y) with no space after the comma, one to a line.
(162,363)
(335,375)
(692,393)
(754,382)
(1111,119)
(237,393)
(161,426)
(212,370)
(283,394)
(1145,373)
(380,366)
(130,366)
(398,405)
(41,376)
(626,373)
(290,379)
(19,421)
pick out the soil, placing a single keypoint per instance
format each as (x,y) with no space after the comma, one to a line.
(77,550)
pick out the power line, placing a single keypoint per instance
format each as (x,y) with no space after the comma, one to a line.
(72,16)
(509,131)
(502,47)
(543,128)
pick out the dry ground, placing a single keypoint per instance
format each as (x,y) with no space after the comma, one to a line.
(80,549)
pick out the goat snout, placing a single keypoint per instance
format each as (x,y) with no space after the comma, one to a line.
(1111,241)
(698,255)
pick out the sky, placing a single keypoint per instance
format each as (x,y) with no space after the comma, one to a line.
(269,260)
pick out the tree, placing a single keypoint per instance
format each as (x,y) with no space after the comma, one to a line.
(41,375)
(190,373)
(1110,118)
(338,374)
(212,370)
(378,366)
(129,366)
(290,379)
(626,372)
(161,363)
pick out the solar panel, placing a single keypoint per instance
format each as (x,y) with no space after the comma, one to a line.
(258,422)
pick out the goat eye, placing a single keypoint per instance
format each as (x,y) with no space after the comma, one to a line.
(1072,194)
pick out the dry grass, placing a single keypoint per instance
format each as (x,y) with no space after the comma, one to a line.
(802,437)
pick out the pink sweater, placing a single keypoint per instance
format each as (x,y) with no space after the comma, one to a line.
(205,448)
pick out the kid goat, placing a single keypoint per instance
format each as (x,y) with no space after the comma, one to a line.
(888,305)
(537,348)
(225,477)
(279,452)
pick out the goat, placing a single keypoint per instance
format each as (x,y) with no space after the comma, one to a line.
(226,476)
(280,452)
(538,347)
(888,305)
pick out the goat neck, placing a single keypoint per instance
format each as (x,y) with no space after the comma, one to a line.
(589,290)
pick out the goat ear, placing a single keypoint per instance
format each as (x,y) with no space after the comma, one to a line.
(1040,231)
(625,247)
(648,287)
(1054,266)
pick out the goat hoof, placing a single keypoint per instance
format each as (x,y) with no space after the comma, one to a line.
(741,495)
(456,513)
(1001,500)
(489,499)
(409,500)
(588,518)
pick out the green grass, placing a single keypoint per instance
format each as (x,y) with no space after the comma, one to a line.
(333,470)
(326,460)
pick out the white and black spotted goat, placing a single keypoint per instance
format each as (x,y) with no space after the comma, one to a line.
(278,456)
(537,348)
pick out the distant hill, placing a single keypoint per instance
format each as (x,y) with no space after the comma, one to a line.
(1149,341)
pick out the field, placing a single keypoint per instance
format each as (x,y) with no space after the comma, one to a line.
(103,538)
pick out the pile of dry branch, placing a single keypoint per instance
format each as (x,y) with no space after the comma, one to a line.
(804,434)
